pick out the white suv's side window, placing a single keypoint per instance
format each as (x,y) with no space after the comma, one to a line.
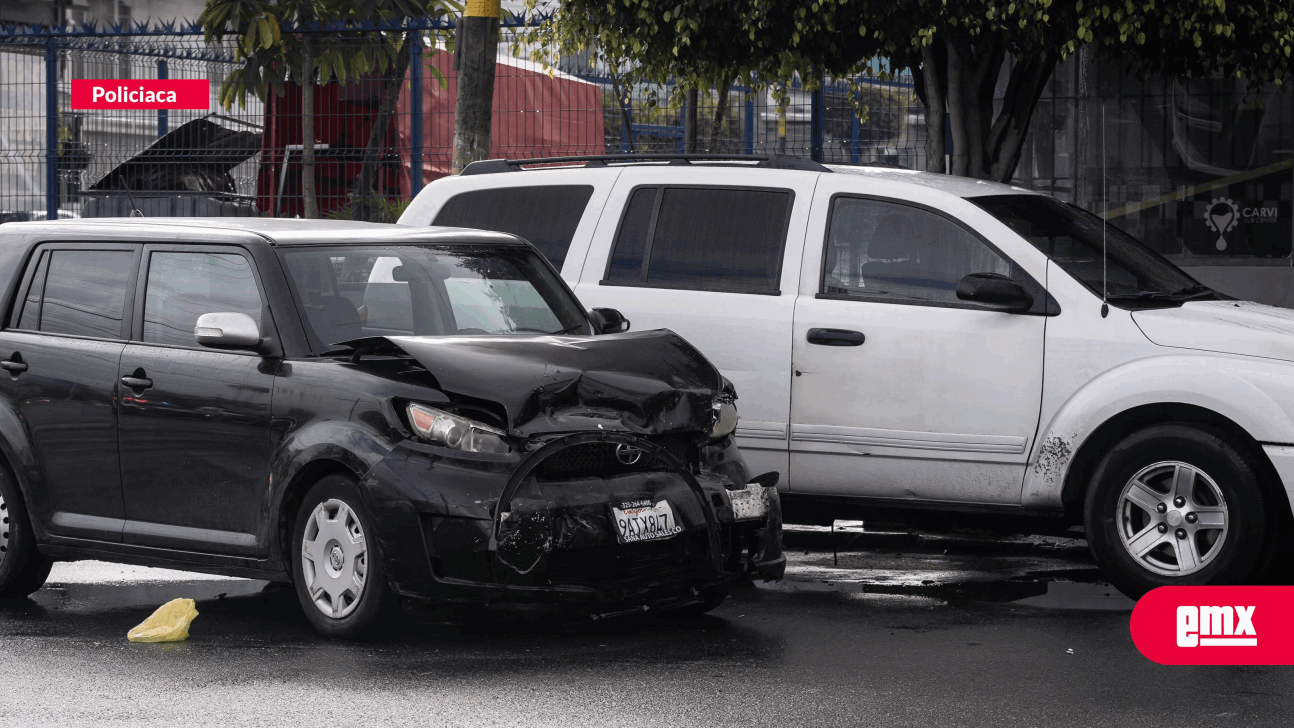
(879,249)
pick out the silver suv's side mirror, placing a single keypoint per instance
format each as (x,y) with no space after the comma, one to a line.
(227,331)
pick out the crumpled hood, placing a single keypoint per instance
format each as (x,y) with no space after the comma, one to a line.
(647,382)
(1226,327)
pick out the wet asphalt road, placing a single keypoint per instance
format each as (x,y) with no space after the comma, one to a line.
(892,630)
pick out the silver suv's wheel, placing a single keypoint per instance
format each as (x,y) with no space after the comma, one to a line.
(336,563)
(1180,504)
(334,558)
(1172,518)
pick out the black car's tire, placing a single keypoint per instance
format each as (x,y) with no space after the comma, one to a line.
(356,607)
(1197,512)
(23,569)
(709,601)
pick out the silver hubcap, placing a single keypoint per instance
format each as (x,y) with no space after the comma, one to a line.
(1172,518)
(334,558)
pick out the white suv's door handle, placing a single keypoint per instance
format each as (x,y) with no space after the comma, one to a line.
(836,337)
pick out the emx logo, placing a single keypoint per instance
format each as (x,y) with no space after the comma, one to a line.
(1215,625)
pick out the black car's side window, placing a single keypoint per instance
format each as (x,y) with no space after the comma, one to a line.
(705,239)
(183,286)
(30,319)
(78,292)
(546,216)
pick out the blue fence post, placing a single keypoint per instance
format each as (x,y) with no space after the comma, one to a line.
(816,123)
(51,129)
(163,116)
(749,132)
(855,133)
(415,116)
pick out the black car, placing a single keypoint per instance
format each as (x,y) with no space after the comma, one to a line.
(372,412)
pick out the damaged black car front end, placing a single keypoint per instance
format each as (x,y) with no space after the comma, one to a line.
(532,457)
(612,485)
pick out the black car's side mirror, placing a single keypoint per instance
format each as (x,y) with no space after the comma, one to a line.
(609,321)
(994,291)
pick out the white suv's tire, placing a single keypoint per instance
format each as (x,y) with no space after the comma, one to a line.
(336,564)
(1178,505)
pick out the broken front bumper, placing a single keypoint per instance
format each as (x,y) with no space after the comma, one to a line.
(457,527)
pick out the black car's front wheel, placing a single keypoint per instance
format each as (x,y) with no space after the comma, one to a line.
(337,569)
(1178,505)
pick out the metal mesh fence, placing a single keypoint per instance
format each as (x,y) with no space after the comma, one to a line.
(247,160)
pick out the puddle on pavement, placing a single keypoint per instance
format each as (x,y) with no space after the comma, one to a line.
(103,597)
(1086,595)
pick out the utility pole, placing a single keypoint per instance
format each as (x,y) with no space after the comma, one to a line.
(475,50)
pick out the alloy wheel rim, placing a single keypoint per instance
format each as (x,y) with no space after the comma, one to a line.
(1172,518)
(334,558)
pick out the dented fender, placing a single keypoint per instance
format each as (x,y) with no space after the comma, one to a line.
(1257,394)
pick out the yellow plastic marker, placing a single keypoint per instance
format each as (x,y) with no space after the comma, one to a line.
(170,623)
(481,9)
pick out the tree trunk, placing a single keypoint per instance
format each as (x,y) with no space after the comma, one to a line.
(1006,141)
(622,102)
(689,122)
(306,80)
(955,84)
(716,129)
(365,202)
(932,78)
(475,52)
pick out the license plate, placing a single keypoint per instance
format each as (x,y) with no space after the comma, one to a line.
(644,521)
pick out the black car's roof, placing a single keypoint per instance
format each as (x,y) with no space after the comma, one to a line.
(277,231)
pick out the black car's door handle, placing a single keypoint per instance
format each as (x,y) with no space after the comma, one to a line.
(137,382)
(13,367)
(836,337)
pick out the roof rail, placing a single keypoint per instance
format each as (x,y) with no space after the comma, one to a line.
(774,161)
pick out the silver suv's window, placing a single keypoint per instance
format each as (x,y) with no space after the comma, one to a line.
(890,250)
(706,239)
(546,216)
(80,292)
(183,286)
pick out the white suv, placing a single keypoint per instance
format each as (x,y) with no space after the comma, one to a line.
(914,339)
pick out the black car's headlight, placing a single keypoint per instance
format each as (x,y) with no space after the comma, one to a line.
(725,418)
(442,428)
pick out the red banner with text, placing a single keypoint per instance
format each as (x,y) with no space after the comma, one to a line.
(1216,625)
(160,94)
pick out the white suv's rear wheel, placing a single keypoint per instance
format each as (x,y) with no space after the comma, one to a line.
(1175,504)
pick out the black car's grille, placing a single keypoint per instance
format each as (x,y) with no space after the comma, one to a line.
(600,458)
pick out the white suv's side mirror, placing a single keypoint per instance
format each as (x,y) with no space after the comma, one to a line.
(227,331)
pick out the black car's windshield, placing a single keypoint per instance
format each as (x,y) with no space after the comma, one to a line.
(427,290)
(1132,275)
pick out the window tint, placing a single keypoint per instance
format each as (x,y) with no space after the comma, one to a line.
(896,251)
(85,292)
(545,216)
(627,259)
(30,319)
(183,286)
(352,293)
(703,239)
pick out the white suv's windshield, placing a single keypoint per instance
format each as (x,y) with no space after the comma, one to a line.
(1133,275)
(352,292)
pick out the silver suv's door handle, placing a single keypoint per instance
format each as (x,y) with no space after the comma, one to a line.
(836,337)
(13,367)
